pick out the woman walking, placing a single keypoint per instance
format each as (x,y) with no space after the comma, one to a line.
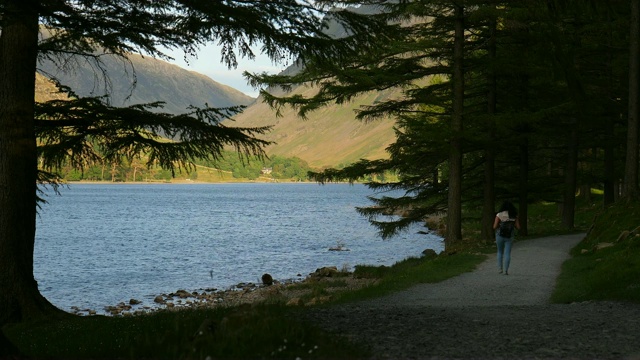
(505,222)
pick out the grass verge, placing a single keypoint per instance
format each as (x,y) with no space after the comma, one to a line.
(606,264)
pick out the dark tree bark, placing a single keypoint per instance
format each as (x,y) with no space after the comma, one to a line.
(570,180)
(19,298)
(609,167)
(454,203)
(631,166)
(488,208)
(523,188)
(7,349)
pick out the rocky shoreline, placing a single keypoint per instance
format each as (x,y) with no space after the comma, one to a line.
(293,292)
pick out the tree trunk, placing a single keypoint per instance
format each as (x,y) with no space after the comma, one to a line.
(609,166)
(19,295)
(523,188)
(631,165)
(489,206)
(570,180)
(454,204)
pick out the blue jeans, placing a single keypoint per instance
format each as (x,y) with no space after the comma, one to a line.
(504,252)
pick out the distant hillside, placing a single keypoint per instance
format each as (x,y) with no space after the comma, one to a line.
(329,137)
(157,80)
(46,90)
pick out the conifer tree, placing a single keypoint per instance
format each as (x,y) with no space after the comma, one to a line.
(549,104)
(632,191)
(422,62)
(83,130)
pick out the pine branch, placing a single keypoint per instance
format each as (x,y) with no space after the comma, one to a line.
(86,130)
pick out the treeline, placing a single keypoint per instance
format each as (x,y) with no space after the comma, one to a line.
(275,167)
(240,167)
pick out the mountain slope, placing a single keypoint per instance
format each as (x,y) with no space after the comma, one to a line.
(145,80)
(329,137)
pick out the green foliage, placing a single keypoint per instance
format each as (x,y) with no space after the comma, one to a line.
(83,132)
(242,168)
(273,168)
(606,264)
(538,108)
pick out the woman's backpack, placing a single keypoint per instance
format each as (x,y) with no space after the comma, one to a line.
(506,228)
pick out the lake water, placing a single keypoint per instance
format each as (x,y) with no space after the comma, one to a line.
(100,244)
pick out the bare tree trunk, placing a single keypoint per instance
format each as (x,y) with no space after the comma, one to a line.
(454,204)
(631,166)
(570,180)
(523,188)
(609,175)
(609,167)
(19,295)
(488,208)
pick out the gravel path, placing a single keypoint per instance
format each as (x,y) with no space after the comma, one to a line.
(486,315)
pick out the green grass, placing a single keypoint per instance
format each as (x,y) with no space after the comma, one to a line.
(596,271)
(409,272)
(244,332)
(603,267)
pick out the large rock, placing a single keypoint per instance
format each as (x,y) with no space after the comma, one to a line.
(267,280)
(327,271)
(430,253)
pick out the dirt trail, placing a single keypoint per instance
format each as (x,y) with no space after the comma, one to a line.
(486,315)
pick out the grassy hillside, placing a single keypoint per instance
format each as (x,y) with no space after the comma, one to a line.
(46,90)
(329,137)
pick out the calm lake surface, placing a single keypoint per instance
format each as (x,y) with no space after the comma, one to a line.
(100,244)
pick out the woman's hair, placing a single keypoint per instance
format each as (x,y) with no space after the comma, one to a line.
(508,206)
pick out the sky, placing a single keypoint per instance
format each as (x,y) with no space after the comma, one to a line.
(208,63)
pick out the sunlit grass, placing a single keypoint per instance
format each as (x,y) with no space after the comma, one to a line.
(412,271)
